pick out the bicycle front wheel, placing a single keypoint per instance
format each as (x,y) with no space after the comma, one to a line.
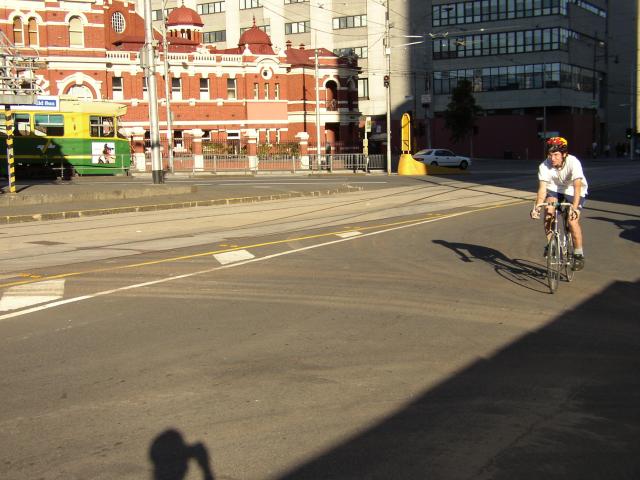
(553,263)
(568,260)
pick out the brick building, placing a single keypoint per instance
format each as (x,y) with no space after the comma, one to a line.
(92,49)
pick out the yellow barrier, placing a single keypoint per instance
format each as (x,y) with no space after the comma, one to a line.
(409,166)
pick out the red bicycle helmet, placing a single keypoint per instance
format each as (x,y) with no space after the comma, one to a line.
(557,144)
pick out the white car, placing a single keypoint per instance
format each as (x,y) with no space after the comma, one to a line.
(440,156)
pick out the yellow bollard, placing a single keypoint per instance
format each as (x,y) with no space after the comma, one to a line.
(407,164)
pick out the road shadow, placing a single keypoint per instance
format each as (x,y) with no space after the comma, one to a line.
(525,273)
(562,402)
(170,456)
(629,229)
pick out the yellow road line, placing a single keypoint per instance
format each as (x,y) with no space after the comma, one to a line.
(255,245)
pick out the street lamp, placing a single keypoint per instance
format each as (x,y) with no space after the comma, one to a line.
(166,86)
(150,75)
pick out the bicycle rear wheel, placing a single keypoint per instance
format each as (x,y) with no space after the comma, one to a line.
(568,260)
(553,263)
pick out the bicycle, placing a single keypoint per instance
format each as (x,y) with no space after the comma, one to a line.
(560,246)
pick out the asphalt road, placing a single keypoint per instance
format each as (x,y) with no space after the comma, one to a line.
(398,333)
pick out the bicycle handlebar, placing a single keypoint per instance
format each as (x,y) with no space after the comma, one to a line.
(554,204)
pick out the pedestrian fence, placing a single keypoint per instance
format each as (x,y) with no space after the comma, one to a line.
(245,165)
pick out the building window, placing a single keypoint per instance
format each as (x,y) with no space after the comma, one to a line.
(297,27)
(176,88)
(276,91)
(353,21)
(145,90)
(32,29)
(213,37)
(210,8)
(491,10)
(81,92)
(18,34)
(266,91)
(50,125)
(256,91)
(76,32)
(517,77)
(118,22)
(245,4)
(231,89)
(265,28)
(523,41)
(117,90)
(360,52)
(156,15)
(363,88)
(204,89)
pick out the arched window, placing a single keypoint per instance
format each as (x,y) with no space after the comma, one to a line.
(76,32)
(32,27)
(18,34)
(81,92)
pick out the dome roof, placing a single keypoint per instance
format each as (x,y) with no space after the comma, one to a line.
(254,36)
(184,16)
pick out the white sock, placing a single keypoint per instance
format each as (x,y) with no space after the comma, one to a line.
(578,251)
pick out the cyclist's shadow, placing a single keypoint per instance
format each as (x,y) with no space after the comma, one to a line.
(525,273)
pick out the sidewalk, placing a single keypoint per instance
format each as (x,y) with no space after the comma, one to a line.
(90,196)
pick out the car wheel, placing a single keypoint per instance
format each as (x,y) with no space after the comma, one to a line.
(464,164)
(435,164)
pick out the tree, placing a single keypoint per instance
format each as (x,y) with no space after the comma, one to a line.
(461,113)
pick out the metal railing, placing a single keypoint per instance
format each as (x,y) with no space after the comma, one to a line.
(220,162)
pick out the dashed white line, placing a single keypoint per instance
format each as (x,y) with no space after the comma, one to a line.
(349,234)
(232,257)
(22,296)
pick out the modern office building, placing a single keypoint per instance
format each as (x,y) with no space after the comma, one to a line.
(537,67)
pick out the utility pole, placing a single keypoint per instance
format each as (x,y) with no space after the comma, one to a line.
(317,78)
(387,47)
(150,75)
(166,87)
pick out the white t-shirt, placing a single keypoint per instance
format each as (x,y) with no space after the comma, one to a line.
(561,180)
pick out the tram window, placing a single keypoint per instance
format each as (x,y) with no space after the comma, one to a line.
(101,126)
(21,124)
(50,125)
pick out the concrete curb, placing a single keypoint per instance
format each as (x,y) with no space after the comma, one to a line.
(142,191)
(6,219)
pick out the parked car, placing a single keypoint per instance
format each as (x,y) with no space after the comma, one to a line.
(440,156)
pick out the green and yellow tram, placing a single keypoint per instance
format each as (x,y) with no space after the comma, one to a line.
(74,137)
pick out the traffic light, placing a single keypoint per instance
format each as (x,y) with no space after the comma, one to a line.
(386,81)
(629,133)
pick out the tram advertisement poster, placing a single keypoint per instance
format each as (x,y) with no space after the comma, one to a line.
(103,152)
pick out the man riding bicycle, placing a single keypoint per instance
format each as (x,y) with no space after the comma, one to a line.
(561,179)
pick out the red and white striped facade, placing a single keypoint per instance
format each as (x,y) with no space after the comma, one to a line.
(91,49)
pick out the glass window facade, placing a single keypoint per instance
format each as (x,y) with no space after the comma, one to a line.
(516,77)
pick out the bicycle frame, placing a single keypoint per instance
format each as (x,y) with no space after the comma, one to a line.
(560,246)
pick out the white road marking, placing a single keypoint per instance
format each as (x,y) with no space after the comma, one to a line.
(233,257)
(22,296)
(348,234)
(66,301)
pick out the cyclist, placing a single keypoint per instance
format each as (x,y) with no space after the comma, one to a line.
(561,179)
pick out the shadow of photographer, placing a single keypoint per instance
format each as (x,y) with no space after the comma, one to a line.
(170,456)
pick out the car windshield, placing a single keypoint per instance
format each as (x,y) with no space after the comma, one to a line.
(427,151)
